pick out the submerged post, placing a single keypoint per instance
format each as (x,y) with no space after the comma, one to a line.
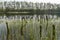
(47,22)
(22,27)
(7,31)
(40,32)
(53,34)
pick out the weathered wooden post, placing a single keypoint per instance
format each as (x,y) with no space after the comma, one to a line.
(47,22)
(53,34)
(7,31)
(40,32)
(22,27)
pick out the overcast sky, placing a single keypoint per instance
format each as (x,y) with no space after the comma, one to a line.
(44,1)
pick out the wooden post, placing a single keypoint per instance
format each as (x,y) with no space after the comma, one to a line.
(53,34)
(40,32)
(7,31)
(22,27)
(47,22)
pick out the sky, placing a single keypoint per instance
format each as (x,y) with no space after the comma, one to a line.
(44,1)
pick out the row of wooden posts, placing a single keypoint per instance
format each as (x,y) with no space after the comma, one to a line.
(53,26)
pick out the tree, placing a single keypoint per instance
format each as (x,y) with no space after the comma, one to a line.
(18,5)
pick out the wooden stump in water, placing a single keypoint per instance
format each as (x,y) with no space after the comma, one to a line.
(40,31)
(7,31)
(53,34)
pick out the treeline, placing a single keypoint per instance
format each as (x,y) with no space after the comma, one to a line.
(28,5)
